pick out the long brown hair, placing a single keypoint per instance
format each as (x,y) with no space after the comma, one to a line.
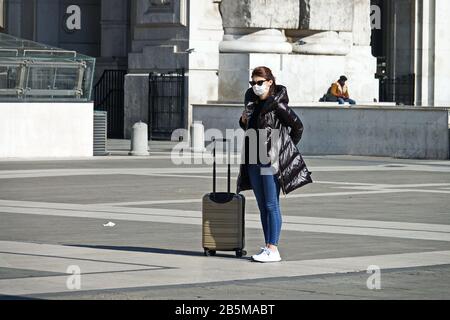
(267,74)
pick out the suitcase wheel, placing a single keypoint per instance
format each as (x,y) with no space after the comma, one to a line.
(240,253)
(209,253)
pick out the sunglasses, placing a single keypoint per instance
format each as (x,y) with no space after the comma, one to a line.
(259,83)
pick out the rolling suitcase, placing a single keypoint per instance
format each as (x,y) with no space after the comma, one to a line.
(223,217)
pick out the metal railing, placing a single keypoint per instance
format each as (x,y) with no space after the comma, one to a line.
(108,95)
(400,90)
(34,78)
(166,103)
(31,71)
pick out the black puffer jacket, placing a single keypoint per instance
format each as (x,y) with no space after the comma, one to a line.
(275,114)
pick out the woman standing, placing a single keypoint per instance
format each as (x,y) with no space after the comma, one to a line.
(267,109)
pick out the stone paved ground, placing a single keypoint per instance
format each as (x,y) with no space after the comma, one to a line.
(361,211)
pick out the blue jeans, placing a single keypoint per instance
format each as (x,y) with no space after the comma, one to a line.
(342,101)
(267,192)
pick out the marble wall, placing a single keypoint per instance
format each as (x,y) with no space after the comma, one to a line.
(308,44)
(2,14)
(388,131)
(442,54)
(431,52)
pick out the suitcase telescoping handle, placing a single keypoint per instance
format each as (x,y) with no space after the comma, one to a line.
(214,165)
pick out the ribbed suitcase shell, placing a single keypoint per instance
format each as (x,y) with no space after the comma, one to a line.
(223,223)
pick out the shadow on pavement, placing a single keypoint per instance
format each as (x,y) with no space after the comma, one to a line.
(153,250)
(11,298)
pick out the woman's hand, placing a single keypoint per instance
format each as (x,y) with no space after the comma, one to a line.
(244,117)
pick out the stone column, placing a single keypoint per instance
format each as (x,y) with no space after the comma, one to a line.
(253,36)
(257,25)
(2,15)
(424,47)
(169,35)
(431,52)
(160,35)
(442,54)
(205,34)
(319,27)
(361,23)
(244,40)
(115,27)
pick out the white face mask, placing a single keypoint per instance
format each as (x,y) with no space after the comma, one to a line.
(260,90)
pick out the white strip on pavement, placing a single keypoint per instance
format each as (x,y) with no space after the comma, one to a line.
(290,196)
(14,174)
(432,162)
(58,264)
(435,232)
(183,270)
(387,189)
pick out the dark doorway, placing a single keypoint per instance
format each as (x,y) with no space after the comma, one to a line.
(399,90)
(392,46)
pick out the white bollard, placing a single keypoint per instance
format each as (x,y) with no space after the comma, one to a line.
(197,134)
(139,140)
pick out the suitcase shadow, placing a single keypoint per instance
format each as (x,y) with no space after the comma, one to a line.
(156,250)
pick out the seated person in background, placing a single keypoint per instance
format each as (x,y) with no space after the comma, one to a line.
(340,91)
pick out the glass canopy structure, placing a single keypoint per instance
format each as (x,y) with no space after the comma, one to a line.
(31,71)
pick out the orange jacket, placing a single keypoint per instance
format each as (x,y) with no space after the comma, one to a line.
(338,91)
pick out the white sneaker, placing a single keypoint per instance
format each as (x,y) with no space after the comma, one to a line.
(268,256)
(262,251)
